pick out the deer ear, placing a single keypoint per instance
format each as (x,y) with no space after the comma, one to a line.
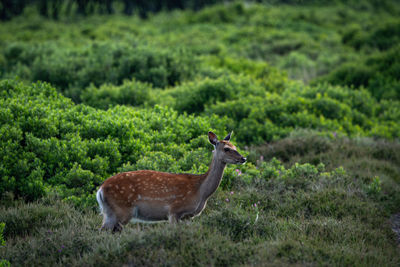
(212,137)
(228,137)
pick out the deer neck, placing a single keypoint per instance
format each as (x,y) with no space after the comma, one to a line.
(212,178)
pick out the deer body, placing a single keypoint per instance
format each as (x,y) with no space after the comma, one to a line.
(150,196)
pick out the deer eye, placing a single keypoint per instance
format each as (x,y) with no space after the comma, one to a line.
(227,149)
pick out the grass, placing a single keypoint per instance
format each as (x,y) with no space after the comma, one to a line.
(324,217)
(363,158)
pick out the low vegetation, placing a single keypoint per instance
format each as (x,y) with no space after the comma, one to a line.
(300,214)
(310,90)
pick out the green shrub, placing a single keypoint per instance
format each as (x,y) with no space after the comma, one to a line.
(195,97)
(296,177)
(99,63)
(270,78)
(157,161)
(49,141)
(351,74)
(381,36)
(374,188)
(132,93)
(218,14)
(299,66)
(323,107)
(378,73)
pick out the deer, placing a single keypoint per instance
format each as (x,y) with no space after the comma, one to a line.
(153,196)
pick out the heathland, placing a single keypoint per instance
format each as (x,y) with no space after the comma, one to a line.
(311,92)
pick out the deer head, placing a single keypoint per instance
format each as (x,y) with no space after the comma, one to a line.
(225,151)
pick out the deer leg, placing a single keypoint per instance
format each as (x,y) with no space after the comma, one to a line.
(109,222)
(172,218)
(113,220)
(117,228)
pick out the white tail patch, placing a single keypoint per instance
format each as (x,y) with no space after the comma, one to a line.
(109,219)
(100,199)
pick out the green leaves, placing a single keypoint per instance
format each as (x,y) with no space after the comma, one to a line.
(97,63)
(47,140)
(131,93)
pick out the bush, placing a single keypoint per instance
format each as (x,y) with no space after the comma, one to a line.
(99,63)
(131,93)
(374,188)
(49,141)
(195,97)
(379,73)
(323,107)
(382,36)
(218,14)
(351,74)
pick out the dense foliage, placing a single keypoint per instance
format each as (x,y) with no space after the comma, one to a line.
(74,69)
(378,73)
(163,61)
(310,88)
(47,140)
(259,115)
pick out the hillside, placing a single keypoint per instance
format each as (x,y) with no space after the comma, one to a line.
(311,92)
